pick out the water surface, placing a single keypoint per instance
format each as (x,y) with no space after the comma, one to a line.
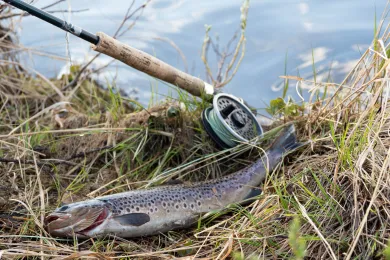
(335,32)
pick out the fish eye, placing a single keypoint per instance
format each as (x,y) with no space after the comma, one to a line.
(63,208)
(63,113)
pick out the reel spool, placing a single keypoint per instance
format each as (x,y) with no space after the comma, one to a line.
(229,122)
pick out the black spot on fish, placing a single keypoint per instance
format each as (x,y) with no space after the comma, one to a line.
(137,208)
(133,219)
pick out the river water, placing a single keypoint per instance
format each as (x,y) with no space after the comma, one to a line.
(333,32)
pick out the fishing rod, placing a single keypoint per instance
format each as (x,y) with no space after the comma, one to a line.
(228,122)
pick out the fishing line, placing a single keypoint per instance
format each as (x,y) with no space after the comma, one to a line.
(219,129)
(230,122)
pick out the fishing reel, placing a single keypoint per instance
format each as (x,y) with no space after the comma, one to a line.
(229,121)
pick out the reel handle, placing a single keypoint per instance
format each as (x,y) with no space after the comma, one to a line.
(152,66)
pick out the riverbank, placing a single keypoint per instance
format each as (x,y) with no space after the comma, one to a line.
(330,200)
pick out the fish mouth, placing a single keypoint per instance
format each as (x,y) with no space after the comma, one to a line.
(79,223)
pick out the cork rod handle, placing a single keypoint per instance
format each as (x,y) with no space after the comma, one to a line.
(152,66)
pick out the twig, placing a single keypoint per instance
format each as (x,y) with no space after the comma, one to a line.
(124,19)
(224,78)
(227,80)
(76,79)
(53,4)
(205,47)
(32,162)
(25,14)
(50,163)
(140,8)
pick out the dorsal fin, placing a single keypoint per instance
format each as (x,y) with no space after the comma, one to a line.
(133,219)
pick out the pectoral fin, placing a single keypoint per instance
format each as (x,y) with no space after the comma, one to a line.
(133,219)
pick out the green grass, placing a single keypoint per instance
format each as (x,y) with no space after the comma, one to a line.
(329,199)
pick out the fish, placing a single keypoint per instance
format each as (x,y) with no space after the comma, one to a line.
(146,212)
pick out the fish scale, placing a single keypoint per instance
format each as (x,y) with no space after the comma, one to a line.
(179,197)
(151,211)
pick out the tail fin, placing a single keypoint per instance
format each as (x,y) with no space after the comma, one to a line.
(286,142)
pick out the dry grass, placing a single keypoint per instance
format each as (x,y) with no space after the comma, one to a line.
(329,201)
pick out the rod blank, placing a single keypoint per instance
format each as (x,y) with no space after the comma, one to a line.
(45,16)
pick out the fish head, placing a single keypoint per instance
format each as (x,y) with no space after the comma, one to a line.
(77,219)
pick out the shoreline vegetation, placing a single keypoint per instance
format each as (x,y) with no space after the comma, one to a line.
(69,139)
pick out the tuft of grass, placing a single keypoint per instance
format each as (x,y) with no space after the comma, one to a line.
(386,252)
(297,243)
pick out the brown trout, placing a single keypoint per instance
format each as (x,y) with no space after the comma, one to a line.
(156,210)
